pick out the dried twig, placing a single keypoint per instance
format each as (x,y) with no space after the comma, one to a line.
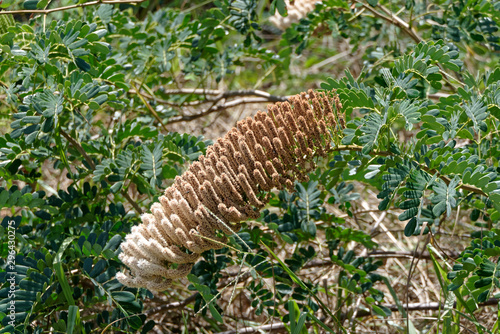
(151,110)
(394,19)
(216,108)
(209,93)
(225,94)
(316,67)
(264,328)
(212,96)
(171,306)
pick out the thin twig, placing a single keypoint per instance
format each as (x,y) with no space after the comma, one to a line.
(215,108)
(225,94)
(86,4)
(151,110)
(218,96)
(92,165)
(171,306)
(316,67)
(79,148)
(394,20)
(131,201)
(438,95)
(261,329)
(399,254)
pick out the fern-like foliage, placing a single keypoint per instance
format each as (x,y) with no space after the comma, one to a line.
(476,265)
(309,204)
(409,111)
(152,163)
(372,128)
(354,95)
(477,112)
(445,197)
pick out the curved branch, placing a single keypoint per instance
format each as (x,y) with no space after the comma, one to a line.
(215,97)
(396,20)
(79,148)
(216,108)
(150,109)
(92,165)
(219,95)
(171,306)
(226,94)
(86,4)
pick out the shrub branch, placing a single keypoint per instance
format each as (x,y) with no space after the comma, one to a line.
(446,179)
(81,5)
(91,164)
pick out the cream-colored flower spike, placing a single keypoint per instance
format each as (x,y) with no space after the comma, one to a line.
(296,11)
(228,185)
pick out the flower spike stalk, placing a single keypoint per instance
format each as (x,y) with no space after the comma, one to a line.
(228,185)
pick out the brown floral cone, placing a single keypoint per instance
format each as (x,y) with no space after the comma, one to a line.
(228,185)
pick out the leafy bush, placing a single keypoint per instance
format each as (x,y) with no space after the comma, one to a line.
(92,100)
